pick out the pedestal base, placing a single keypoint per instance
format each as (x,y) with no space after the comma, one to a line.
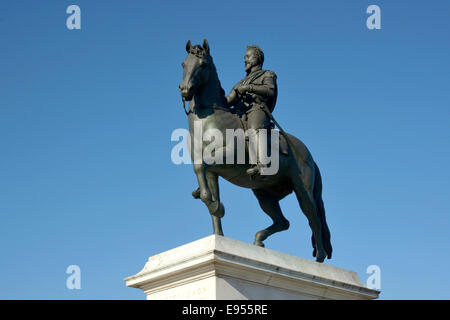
(217,267)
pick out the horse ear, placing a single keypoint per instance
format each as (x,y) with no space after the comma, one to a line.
(206,45)
(188,46)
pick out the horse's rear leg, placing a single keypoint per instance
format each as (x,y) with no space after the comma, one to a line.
(271,207)
(308,205)
(217,207)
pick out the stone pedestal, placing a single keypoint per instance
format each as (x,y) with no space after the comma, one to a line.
(216,268)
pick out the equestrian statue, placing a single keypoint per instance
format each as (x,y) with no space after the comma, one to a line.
(249,105)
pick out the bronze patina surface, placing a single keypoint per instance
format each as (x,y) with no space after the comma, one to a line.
(250,105)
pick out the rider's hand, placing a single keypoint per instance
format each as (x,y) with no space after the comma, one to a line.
(243,89)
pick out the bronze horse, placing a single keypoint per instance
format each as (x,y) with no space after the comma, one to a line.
(208,105)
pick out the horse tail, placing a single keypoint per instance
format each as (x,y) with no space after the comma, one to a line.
(317,193)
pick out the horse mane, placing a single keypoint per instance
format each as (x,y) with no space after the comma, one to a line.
(200,52)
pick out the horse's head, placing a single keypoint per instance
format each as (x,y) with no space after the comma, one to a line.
(196,69)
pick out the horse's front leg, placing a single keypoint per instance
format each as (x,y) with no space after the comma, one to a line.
(204,192)
(216,209)
(201,169)
(214,206)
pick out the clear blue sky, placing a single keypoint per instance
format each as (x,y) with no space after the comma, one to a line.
(86,118)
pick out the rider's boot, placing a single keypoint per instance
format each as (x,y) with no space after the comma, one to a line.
(256,170)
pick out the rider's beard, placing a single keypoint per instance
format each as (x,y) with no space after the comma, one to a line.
(248,68)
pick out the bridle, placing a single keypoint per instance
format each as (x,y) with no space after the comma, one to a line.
(184,106)
(187,112)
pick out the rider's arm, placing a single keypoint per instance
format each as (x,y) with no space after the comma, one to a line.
(267,89)
(232,98)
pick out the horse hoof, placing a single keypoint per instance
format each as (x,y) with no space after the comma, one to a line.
(320,258)
(259,243)
(196,193)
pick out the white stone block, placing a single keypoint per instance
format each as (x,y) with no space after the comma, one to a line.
(220,268)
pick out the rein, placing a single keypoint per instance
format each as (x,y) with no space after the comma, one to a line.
(213,107)
(184,106)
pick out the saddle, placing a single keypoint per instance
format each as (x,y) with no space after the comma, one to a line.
(283,145)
